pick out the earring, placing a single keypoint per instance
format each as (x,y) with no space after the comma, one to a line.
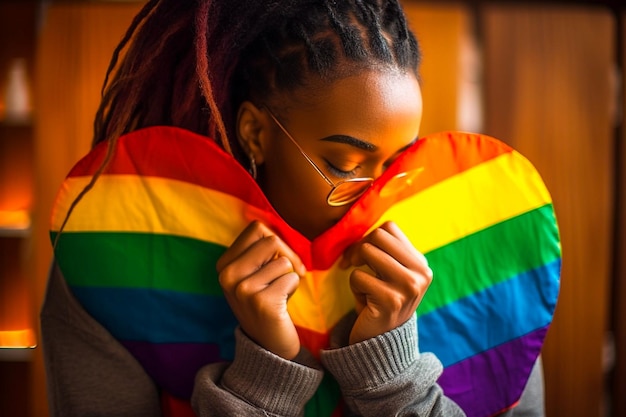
(252,169)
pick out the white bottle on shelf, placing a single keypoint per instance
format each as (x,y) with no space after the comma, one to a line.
(17,95)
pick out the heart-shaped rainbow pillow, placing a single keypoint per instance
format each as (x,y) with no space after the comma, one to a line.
(139,253)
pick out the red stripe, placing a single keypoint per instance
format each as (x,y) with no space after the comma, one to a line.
(178,154)
(313,340)
(175,407)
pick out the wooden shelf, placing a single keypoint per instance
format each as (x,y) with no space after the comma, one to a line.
(16,122)
(16,354)
(17,345)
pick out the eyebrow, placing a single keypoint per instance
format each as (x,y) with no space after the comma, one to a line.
(358,143)
(352,141)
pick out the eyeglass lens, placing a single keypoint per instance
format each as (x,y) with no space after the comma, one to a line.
(346,192)
(400,181)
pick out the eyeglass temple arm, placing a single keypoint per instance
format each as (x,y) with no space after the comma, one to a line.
(313,164)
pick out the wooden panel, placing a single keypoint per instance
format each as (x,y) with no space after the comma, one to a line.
(440,30)
(548,93)
(13,398)
(75,46)
(619,287)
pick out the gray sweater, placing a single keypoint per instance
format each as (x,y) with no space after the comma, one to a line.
(89,373)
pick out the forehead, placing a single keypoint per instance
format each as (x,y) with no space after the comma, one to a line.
(369,105)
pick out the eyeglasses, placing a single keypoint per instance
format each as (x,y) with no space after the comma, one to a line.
(347,191)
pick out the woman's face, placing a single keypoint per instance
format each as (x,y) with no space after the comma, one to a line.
(353,128)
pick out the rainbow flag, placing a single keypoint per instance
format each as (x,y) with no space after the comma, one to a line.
(139,252)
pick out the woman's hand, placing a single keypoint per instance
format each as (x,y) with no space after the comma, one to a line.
(258,273)
(388,295)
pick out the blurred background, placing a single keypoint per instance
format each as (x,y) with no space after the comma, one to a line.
(545,77)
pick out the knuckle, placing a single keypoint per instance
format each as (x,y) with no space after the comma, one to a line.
(272,240)
(417,284)
(283,263)
(226,278)
(378,233)
(428,276)
(244,290)
(365,249)
(256,225)
(260,305)
(396,302)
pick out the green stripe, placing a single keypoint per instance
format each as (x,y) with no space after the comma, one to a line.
(325,400)
(490,256)
(133,260)
(465,266)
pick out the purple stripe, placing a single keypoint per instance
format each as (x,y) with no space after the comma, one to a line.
(492,381)
(173,366)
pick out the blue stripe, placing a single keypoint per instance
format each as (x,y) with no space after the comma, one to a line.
(453,332)
(159,316)
(515,308)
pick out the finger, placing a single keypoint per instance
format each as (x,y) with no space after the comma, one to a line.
(270,248)
(396,232)
(393,244)
(260,279)
(382,237)
(253,232)
(283,287)
(370,291)
(266,255)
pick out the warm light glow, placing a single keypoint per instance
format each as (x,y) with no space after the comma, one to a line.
(14,220)
(18,339)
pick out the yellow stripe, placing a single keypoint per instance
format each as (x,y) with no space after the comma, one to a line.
(483,196)
(129,203)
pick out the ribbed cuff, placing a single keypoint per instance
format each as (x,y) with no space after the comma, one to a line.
(375,361)
(274,384)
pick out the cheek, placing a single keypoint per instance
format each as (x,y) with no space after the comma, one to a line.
(298,194)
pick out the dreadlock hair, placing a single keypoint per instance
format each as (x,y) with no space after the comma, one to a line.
(190,63)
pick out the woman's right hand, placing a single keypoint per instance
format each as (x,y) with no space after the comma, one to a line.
(258,273)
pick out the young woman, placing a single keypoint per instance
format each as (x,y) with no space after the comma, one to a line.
(315,99)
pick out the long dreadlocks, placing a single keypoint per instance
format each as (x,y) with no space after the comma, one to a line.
(190,63)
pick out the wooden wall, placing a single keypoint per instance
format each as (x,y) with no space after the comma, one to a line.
(546,72)
(440,29)
(549,90)
(619,291)
(549,93)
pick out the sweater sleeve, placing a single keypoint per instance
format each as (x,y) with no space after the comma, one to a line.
(532,402)
(256,383)
(387,375)
(88,372)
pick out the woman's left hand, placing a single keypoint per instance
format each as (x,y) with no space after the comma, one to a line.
(388,295)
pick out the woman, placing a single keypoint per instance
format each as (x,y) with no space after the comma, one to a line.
(315,99)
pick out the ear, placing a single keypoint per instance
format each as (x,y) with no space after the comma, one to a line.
(252,130)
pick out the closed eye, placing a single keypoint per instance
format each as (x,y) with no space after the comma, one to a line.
(340,173)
